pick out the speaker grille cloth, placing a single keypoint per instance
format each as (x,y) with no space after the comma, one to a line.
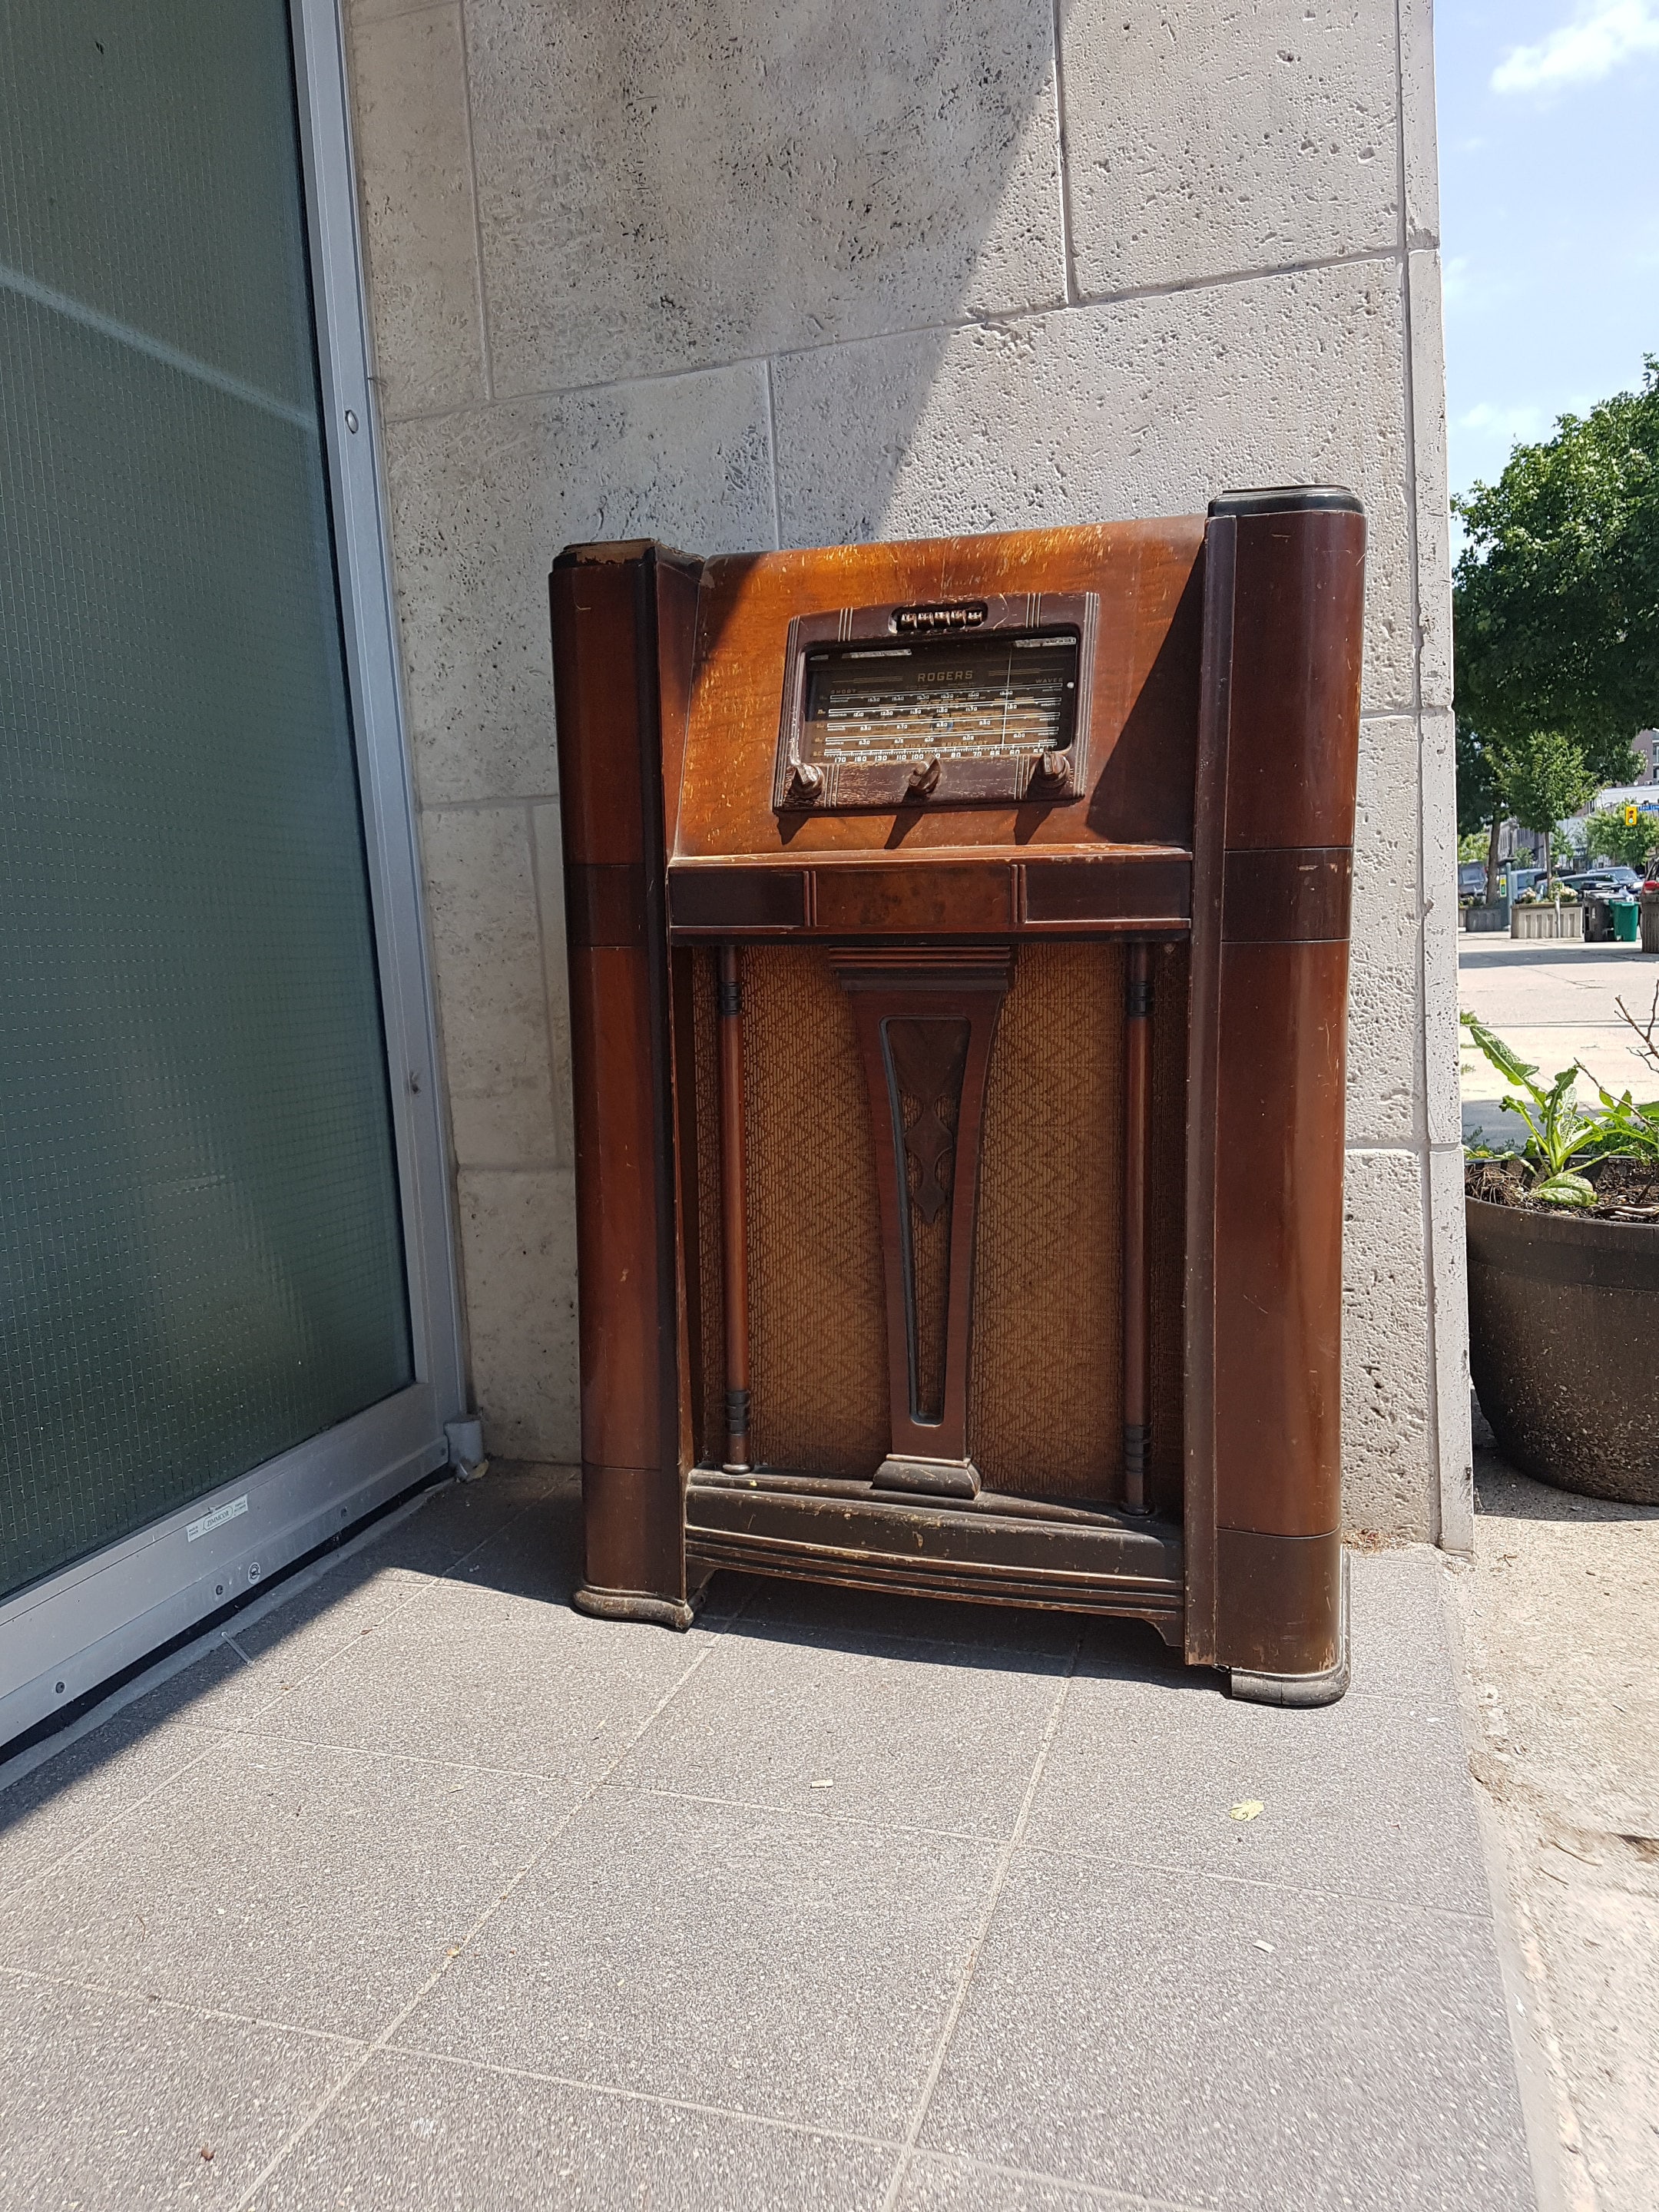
(1045,1400)
(817,1305)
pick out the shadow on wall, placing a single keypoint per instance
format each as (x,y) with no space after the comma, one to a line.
(758,277)
(795,275)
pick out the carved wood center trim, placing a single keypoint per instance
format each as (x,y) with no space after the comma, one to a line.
(927,1059)
(926,1022)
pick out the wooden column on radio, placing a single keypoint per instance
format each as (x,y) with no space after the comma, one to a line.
(622,625)
(1137,1272)
(733,1226)
(1272,866)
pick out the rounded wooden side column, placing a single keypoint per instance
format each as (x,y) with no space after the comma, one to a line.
(1137,1274)
(1284,634)
(622,630)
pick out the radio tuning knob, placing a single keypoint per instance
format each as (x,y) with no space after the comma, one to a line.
(1051,773)
(806,783)
(924,778)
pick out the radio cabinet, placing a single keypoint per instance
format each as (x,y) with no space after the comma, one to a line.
(958,940)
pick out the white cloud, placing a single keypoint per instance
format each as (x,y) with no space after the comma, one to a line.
(1602,34)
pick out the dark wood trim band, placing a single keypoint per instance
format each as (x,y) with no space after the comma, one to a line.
(934,1548)
(910,896)
(1281,1610)
(1295,894)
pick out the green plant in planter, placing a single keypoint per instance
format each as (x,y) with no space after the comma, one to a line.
(1563,1137)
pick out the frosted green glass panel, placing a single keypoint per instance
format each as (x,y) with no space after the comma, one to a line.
(200,1255)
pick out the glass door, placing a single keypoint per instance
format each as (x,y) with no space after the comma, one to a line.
(207,1173)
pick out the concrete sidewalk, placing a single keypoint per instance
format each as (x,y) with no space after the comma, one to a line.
(1554,1003)
(1561,1624)
(426,1890)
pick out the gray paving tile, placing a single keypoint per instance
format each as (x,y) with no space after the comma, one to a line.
(788,1968)
(536,1549)
(454,1519)
(926,1735)
(56,1807)
(1134,1651)
(1367,1797)
(419,2131)
(312,1887)
(1126,2029)
(502,1680)
(107,2103)
(962,2184)
(318,1625)
(830,1611)
(1399,1628)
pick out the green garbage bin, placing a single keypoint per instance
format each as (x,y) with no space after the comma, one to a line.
(1627,920)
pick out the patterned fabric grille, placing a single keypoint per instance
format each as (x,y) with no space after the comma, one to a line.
(818,1307)
(1045,1391)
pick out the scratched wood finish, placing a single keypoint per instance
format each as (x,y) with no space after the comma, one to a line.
(1278,764)
(1215,823)
(1144,690)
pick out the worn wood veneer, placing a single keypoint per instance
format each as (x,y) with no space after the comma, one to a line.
(1189,799)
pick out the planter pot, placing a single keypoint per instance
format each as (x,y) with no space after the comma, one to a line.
(1482,917)
(1546,922)
(1649,923)
(1563,1315)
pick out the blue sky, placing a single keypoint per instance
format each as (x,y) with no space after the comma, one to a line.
(1549,204)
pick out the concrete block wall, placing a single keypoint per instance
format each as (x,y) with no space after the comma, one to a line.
(740,275)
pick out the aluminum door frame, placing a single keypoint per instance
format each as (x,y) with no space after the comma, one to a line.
(65,1635)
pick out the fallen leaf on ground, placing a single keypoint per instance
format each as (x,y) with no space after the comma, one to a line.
(1246,1810)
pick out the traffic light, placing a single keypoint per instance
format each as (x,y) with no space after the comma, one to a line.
(1632,814)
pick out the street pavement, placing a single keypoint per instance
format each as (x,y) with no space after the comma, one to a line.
(1554,1004)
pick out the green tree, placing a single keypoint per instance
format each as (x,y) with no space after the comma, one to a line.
(1610,837)
(1541,777)
(1556,594)
(1480,806)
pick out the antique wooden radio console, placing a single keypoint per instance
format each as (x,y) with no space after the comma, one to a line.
(958,940)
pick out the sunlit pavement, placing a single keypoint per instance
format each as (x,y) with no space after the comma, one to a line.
(1554,1004)
(421,1889)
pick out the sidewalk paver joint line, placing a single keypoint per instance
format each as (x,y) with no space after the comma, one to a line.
(998,1877)
(221,1733)
(380,2042)
(802,1813)
(419,2053)
(182,2004)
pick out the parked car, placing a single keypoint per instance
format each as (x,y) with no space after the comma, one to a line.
(1613,878)
(1471,878)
